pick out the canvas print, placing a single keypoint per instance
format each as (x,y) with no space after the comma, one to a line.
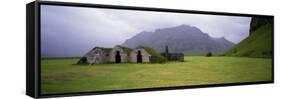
(100,49)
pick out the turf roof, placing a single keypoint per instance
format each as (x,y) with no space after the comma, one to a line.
(151,51)
(126,49)
(105,49)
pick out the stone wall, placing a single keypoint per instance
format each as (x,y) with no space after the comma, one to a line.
(96,56)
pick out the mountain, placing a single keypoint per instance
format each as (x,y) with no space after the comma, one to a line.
(259,43)
(184,39)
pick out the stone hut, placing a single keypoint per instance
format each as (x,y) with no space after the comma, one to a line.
(120,54)
(143,54)
(140,55)
(100,55)
(96,56)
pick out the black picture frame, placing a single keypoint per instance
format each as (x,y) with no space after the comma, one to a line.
(33,48)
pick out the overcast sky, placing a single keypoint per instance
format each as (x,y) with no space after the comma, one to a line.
(72,31)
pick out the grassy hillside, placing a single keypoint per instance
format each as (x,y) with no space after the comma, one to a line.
(259,44)
(63,76)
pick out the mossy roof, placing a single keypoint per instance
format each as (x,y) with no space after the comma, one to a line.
(126,49)
(107,50)
(151,51)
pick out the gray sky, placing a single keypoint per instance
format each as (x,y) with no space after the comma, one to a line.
(72,31)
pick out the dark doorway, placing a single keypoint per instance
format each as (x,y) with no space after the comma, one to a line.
(117,57)
(139,57)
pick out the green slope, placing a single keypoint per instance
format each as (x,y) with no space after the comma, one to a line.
(258,44)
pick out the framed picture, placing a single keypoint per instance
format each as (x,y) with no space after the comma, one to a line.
(85,49)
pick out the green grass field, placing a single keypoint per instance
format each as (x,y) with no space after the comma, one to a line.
(63,76)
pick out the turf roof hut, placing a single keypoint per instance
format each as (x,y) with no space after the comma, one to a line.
(120,54)
(146,54)
(96,56)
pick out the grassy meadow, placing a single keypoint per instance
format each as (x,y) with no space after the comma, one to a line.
(64,76)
